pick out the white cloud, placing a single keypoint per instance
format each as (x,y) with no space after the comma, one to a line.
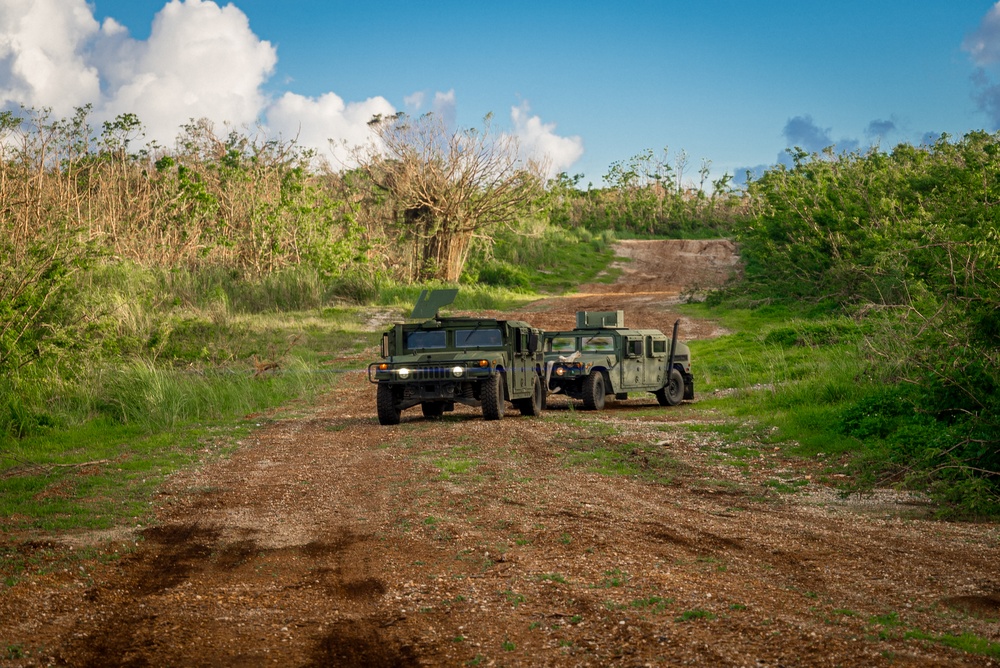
(43,54)
(415,102)
(540,142)
(314,121)
(201,60)
(443,105)
(983,45)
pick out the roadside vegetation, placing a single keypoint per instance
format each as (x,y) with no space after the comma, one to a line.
(885,269)
(157,302)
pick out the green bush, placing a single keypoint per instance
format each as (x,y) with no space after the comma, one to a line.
(908,244)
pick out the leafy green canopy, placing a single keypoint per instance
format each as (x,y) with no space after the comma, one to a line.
(910,241)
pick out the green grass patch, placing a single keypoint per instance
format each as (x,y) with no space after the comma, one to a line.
(624,459)
(454,467)
(654,604)
(691,615)
(84,446)
(966,642)
(803,379)
(542,258)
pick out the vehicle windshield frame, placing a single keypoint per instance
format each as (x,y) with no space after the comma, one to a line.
(479,337)
(428,339)
(569,339)
(597,343)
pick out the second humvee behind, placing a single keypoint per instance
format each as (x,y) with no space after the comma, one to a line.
(602,357)
(441,361)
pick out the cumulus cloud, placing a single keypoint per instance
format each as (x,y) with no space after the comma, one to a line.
(983,44)
(201,60)
(802,131)
(983,47)
(879,129)
(442,105)
(540,142)
(44,47)
(327,123)
(415,102)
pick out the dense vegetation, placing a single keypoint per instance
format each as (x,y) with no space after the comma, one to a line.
(906,245)
(146,290)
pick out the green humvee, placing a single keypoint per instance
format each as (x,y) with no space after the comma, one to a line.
(601,357)
(441,361)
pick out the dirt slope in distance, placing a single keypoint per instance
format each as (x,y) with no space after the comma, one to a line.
(328,540)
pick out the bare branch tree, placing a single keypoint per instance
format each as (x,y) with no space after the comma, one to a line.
(447,186)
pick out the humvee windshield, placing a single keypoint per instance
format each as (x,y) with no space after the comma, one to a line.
(478,338)
(598,344)
(563,344)
(421,340)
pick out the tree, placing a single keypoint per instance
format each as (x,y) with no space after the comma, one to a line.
(447,187)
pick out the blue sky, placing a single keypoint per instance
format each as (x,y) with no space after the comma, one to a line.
(587,82)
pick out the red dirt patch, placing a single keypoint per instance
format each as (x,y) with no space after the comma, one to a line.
(328,540)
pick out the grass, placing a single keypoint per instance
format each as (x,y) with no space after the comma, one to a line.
(181,364)
(889,625)
(451,467)
(542,258)
(624,459)
(802,370)
(85,449)
(655,604)
(697,613)
(966,642)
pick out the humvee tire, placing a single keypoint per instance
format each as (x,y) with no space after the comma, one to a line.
(535,404)
(432,409)
(492,397)
(385,404)
(593,391)
(672,393)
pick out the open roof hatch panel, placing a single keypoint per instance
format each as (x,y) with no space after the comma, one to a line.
(600,319)
(431,301)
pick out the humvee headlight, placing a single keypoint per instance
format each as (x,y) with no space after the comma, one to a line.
(458,371)
(403,373)
(560,370)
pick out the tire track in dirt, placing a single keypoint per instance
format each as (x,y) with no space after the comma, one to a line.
(327,540)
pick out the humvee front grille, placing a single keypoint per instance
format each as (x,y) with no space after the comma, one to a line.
(432,373)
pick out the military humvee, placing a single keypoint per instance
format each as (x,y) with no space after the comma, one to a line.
(441,361)
(601,357)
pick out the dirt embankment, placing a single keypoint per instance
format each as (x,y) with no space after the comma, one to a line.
(327,540)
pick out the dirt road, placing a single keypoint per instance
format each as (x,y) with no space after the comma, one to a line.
(327,540)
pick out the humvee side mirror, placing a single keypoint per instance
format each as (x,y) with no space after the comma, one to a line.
(385,345)
(532,343)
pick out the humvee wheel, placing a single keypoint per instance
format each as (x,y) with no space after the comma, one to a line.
(388,413)
(672,393)
(534,404)
(432,409)
(492,397)
(593,391)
